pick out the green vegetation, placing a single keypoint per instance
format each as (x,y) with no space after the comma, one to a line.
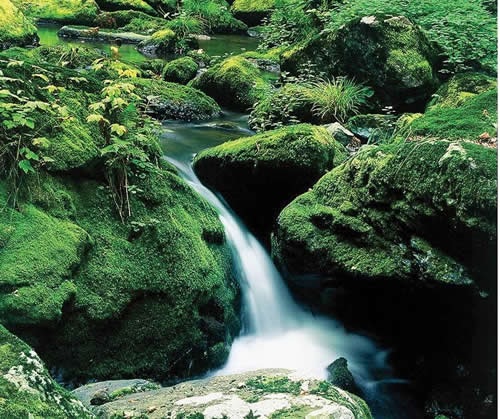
(274,385)
(181,70)
(337,99)
(165,100)
(82,12)
(475,117)
(106,251)
(234,82)
(27,389)
(252,12)
(15,28)
(138,5)
(272,167)
(165,43)
(214,15)
(362,218)
(462,28)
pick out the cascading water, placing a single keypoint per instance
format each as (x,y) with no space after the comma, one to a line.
(277,333)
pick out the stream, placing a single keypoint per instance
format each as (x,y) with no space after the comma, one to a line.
(277,331)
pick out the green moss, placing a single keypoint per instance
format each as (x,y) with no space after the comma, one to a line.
(63,11)
(360,220)
(181,70)
(274,385)
(26,388)
(390,55)
(173,101)
(214,14)
(271,167)
(475,116)
(252,12)
(15,28)
(288,105)
(153,296)
(460,88)
(234,82)
(138,5)
(357,406)
(165,43)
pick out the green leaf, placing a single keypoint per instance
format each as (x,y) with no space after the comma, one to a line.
(118,129)
(26,166)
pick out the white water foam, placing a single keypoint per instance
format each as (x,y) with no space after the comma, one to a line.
(278,333)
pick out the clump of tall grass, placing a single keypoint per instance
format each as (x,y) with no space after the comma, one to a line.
(337,99)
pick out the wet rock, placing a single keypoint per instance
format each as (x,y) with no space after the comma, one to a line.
(271,168)
(261,393)
(340,376)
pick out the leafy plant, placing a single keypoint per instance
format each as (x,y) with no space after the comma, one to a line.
(21,130)
(123,153)
(337,99)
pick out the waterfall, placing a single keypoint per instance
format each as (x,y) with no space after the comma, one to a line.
(277,332)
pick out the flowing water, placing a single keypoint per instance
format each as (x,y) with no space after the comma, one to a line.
(218,45)
(278,332)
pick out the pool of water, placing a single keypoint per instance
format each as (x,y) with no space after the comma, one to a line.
(218,45)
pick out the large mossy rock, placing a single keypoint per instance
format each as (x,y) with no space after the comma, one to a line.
(460,111)
(166,100)
(416,210)
(98,296)
(252,12)
(259,175)
(181,70)
(15,28)
(137,5)
(389,54)
(80,12)
(235,83)
(151,297)
(165,43)
(288,105)
(26,388)
(264,393)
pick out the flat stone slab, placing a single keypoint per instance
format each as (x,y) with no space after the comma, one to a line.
(262,393)
(95,34)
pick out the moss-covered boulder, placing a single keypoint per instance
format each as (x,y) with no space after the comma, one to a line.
(235,82)
(215,15)
(340,376)
(181,70)
(27,389)
(390,54)
(167,100)
(473,118)
(130,21)
(265,393)
(291,104)
(460,88)
(165,43)
(99,294)
(15,28)
(410,211)
(259,175)
(252,12)
(137,5)
(80,12)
